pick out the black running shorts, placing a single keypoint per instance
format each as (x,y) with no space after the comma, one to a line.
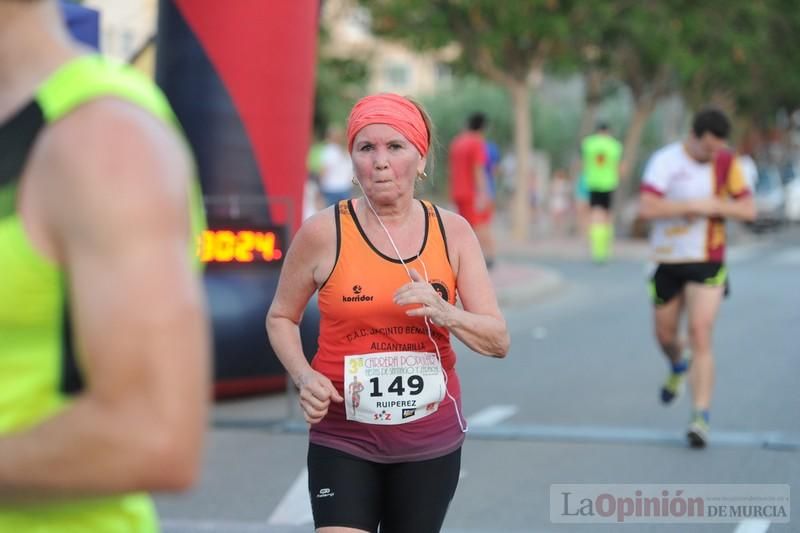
(347,491)
(669,279)
(601,199)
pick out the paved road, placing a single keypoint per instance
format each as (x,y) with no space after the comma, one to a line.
(575,402)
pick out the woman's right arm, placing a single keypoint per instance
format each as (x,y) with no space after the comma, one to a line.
(308,263)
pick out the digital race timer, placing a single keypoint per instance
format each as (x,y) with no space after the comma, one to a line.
(240,244)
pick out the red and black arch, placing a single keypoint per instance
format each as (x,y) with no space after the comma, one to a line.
(240,77)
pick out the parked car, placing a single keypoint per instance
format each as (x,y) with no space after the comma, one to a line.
(792,200)
(769,199)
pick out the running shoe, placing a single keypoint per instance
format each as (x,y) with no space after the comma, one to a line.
(697,434)
(673,387)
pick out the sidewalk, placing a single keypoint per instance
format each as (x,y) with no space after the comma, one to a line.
(572,248)
(519,277)
(517,283)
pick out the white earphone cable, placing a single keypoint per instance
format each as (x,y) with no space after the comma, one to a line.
(461,421)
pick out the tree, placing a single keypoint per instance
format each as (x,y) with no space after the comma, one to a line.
(644,41)
(508,42)
(776,61)
(588,54)
(750,66)
(339,83)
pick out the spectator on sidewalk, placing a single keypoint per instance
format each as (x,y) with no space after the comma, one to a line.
(312,198)
(493,159)
(582,209)
(559,203)
(336,171)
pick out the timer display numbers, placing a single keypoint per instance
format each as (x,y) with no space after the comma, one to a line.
(240,246)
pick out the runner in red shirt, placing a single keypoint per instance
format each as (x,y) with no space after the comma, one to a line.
(469,185)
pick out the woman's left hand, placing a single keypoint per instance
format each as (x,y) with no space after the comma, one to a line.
(421,292)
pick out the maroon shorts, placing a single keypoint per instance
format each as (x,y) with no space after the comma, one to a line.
(466,208)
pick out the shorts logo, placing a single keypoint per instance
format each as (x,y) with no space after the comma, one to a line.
(325,493)
(408,413)
(357,296)
(440,287)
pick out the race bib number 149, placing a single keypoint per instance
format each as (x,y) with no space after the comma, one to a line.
(392,387)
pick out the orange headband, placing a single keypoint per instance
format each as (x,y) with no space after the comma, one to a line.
(392,110)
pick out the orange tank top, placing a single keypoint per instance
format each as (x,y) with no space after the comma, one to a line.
(358,317)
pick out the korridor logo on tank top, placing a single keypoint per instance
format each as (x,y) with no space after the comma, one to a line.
(358,297)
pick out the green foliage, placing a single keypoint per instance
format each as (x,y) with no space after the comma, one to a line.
(721,63)
(773,68)
(738,53)
(339,83)
(556,130)
(509,34)
(743,54)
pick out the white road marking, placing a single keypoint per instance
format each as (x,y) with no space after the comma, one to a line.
(199,526)
(295,508)
(494,414)
(752,526)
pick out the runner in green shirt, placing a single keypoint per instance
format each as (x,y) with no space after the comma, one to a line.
(104,354)
(602,155)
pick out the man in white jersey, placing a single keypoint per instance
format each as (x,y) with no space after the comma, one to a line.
(688,190)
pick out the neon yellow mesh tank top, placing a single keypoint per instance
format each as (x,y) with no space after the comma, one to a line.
(38,370)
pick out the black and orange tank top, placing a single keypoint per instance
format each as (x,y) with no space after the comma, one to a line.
(358,315)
